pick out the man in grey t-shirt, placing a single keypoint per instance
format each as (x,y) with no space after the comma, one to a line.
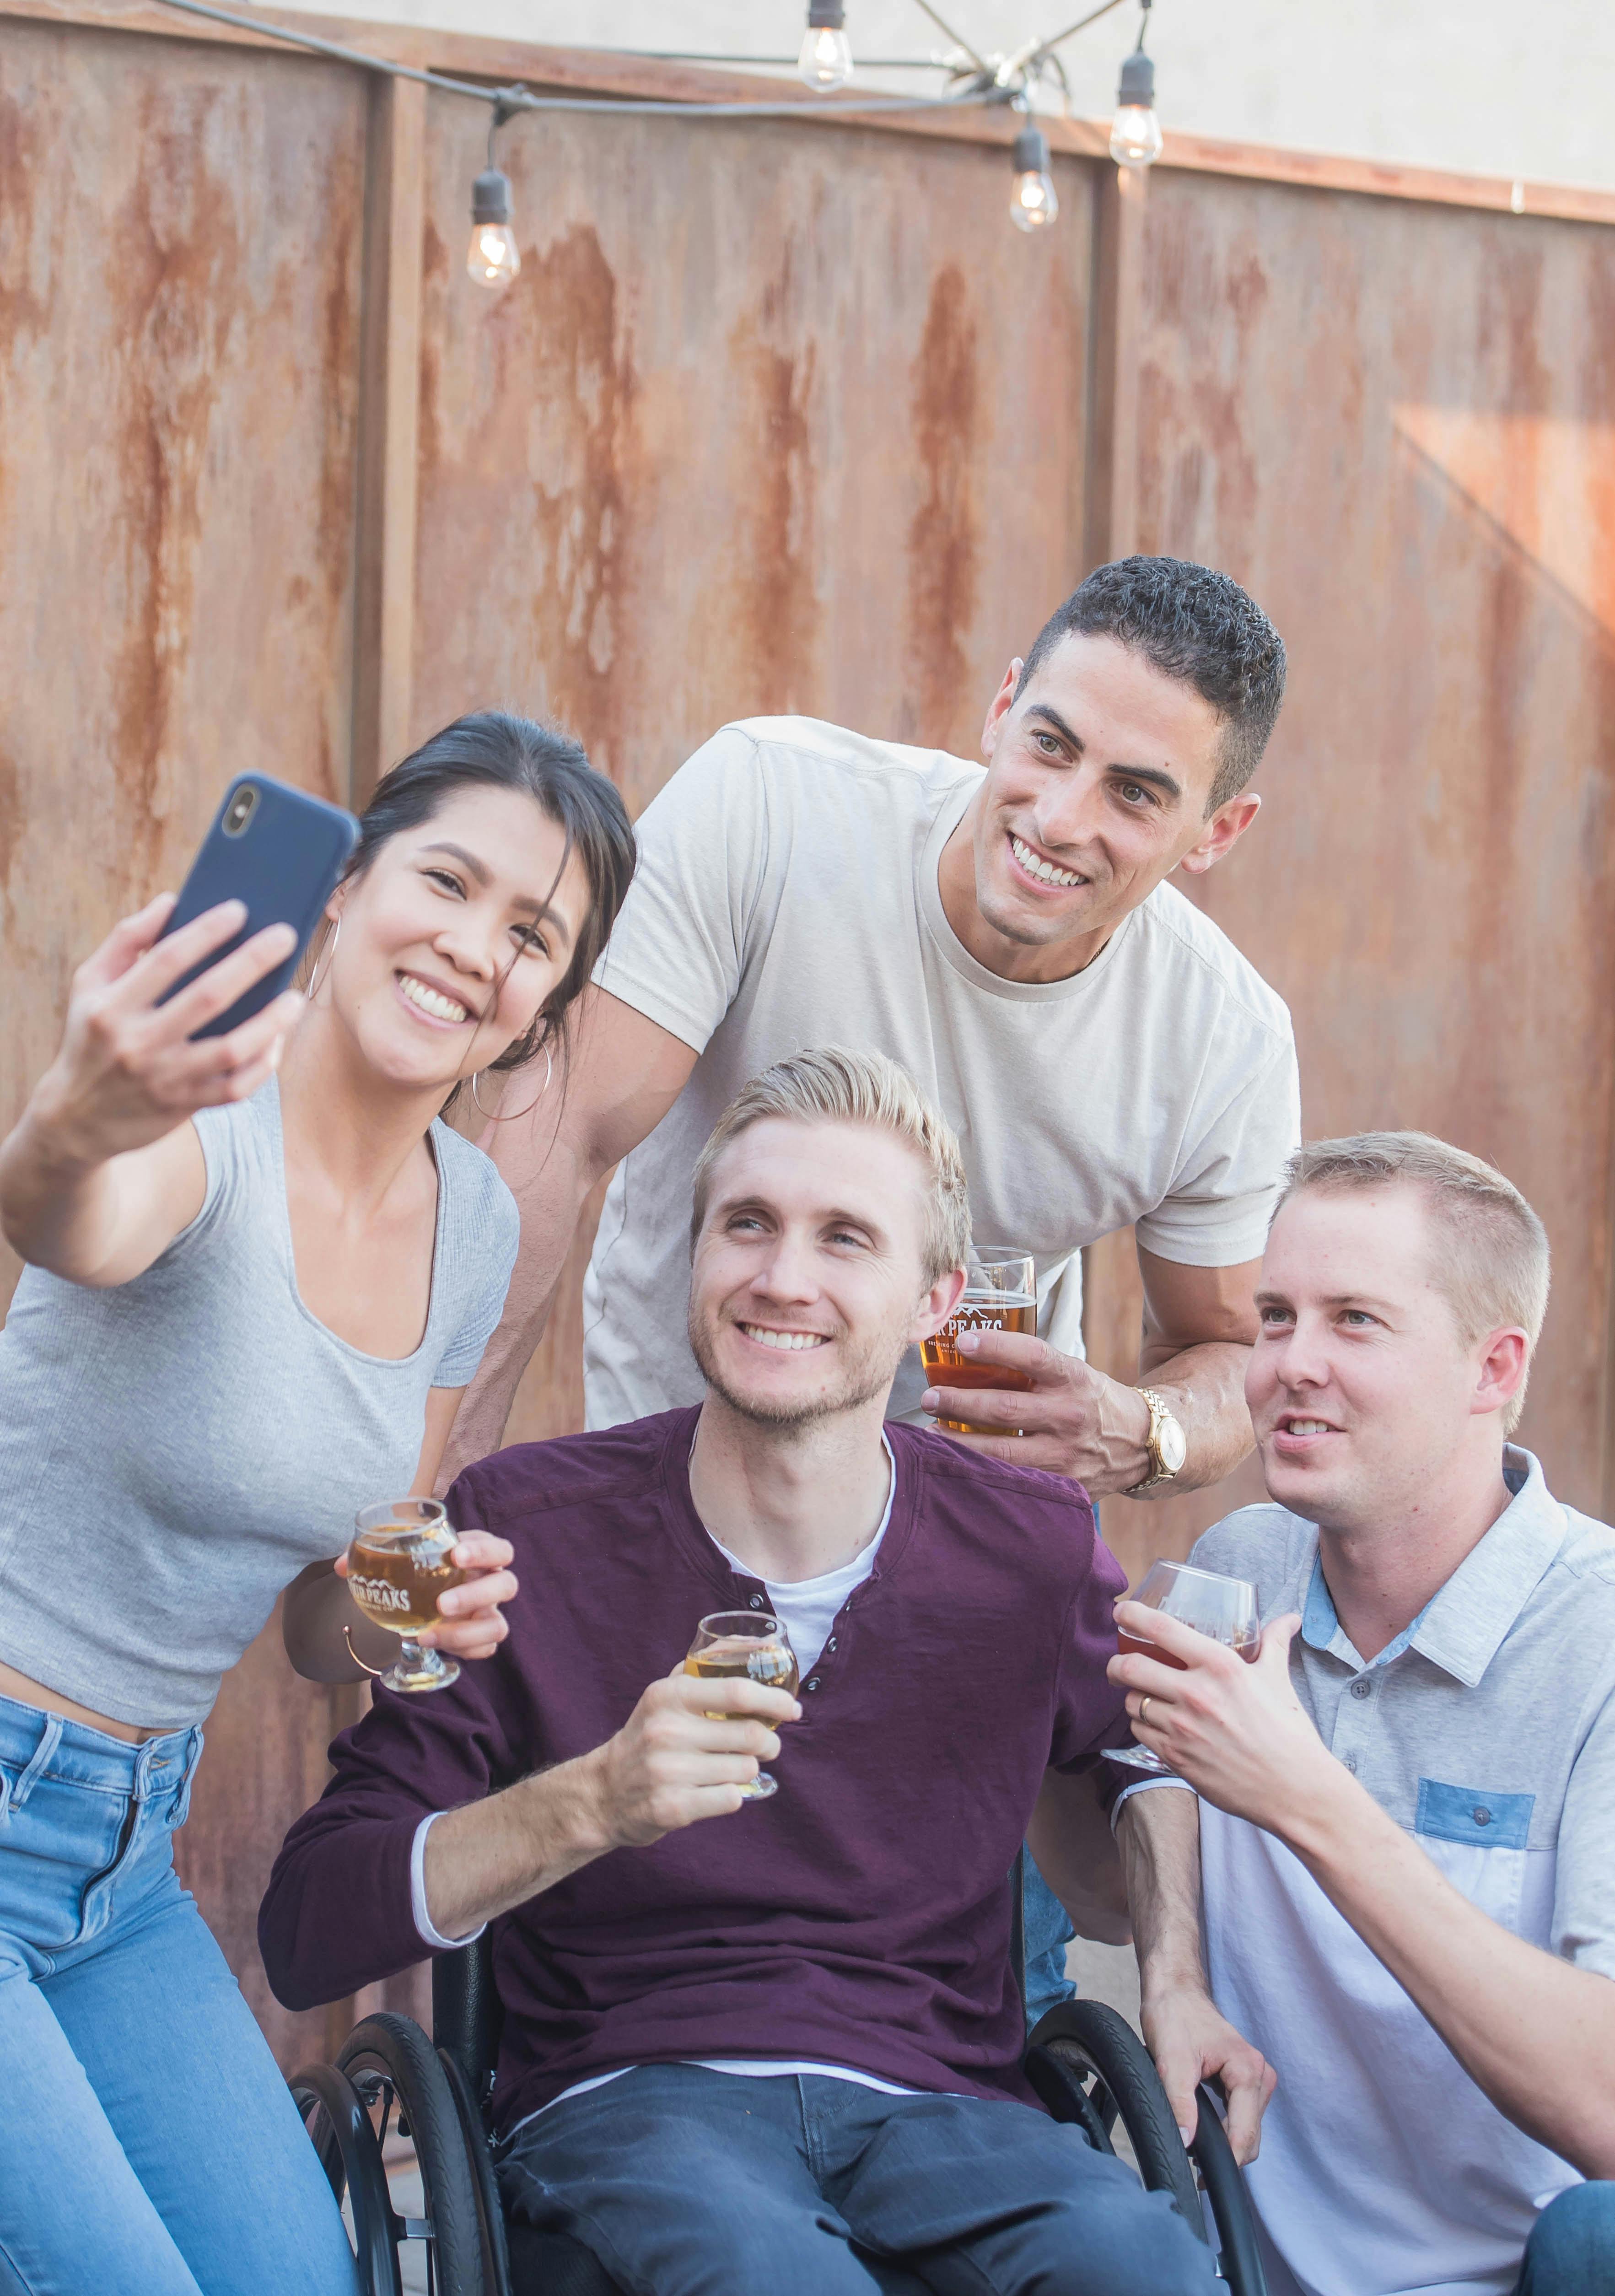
(1105,1055)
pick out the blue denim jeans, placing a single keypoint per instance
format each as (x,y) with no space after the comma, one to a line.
(1048,1932)
(149,2146)
(683,2181)
(1571,2250)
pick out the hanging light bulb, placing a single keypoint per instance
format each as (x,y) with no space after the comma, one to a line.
(1136,136)
(826,58)
(494,257)
(1033,205)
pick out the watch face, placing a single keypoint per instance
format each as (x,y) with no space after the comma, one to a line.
(1173,1445)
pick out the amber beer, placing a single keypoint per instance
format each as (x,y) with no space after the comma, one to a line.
(397,1575)
(743,1645)
(945,1367)
(766,1663)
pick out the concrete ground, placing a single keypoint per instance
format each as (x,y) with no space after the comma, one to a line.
(1102,1972)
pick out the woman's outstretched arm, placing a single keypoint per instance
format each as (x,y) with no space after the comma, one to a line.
(104,1167)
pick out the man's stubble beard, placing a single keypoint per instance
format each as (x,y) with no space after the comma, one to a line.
(868,1375)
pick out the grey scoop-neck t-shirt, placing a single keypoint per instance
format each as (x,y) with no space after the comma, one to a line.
(174,1450)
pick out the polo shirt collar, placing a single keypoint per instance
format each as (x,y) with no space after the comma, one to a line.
(1465,1622)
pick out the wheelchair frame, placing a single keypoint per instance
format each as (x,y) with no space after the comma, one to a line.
(1084,2061)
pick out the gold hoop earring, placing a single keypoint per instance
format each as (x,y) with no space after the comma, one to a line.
(318,979)
(549,1070)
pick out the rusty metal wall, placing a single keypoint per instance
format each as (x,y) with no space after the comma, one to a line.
(772,420)
(1397,424)
(179,306)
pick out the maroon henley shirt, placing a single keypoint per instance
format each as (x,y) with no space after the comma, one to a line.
(862,1915)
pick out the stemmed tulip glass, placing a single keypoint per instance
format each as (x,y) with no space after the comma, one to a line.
(1222,1609)
(750,1644)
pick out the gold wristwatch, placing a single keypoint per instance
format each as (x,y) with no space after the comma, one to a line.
(1168,1445)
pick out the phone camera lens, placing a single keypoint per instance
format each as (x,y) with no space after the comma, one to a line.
(240,811)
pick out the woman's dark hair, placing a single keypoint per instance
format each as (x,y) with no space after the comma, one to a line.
(499,750)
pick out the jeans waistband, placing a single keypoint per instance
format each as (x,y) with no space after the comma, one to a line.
(49,1745)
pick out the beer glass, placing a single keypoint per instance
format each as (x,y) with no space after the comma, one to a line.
(397,1567)
(751,1643)
(1224,1609)
(1000,1294)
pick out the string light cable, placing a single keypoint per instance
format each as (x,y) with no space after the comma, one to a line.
(826,64)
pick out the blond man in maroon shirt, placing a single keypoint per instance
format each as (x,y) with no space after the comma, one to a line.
(768,2043)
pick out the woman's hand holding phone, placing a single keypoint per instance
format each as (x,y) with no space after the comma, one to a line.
(127,1077)
(127,1071)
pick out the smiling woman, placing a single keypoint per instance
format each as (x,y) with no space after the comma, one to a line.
(261,1272)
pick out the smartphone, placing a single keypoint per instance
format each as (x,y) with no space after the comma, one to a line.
(281,852)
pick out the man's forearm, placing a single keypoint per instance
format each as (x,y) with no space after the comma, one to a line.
(551,1192)
(315,1611)
(1158,1833)
(1536,2034)
(1069,1837)
(492,1855)
(1205,1387)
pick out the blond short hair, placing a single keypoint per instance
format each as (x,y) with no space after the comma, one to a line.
(835,1086)
(1492,1258)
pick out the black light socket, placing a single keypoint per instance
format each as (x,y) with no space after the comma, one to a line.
(1031,152)
(1138,81)
(827,16)
(491,197)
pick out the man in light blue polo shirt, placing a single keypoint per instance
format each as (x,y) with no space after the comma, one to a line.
(1405,1866)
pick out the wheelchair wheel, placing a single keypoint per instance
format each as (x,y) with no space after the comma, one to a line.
(1089,2066)
(398,2075)
(1240,2262)
(340,2130)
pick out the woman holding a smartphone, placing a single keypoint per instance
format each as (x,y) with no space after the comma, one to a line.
(260,1272)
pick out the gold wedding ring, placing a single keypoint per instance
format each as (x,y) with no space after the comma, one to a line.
(1143,1705)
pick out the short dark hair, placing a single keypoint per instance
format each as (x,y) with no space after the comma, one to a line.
(1189,622)
(496,749)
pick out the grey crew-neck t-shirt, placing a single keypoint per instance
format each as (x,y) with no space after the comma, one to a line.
(786,896)
(174,1450)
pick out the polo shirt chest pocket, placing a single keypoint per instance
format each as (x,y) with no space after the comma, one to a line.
(1480,1840)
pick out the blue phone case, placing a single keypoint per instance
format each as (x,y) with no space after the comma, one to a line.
(284,859)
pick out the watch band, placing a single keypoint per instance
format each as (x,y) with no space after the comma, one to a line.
(1160,1472)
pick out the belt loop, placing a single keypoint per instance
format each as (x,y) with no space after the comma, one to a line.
(50,1737)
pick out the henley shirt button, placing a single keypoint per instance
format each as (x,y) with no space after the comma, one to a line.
(1351,1764)
(757,1602)
(812,1683)
(1481,1816)
(1361,1689)
(831,1643)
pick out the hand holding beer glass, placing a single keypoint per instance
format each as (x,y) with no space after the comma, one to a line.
(397,1567)
(1224,1609)
(1000,1294)
(751,1644)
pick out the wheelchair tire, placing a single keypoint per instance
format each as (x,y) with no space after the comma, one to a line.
(392,2064)
(1241,2261)
(338,2127)
(1096,2048)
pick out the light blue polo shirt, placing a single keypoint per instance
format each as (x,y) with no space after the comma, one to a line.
(1487,1730)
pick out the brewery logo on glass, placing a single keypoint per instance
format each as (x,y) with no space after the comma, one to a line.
(398,1571)
(1000,1295)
